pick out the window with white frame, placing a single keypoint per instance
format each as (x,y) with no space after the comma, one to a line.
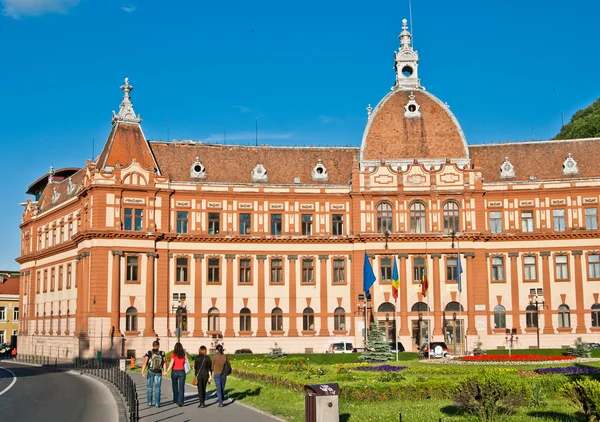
(564,316)
(529,268)
(496,221)
(593,266)
(527,221)
(591,218)
(562,267)
(498,269)
(558,217)
(16,314)
(2,314)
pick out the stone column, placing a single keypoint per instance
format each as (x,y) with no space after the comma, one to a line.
(437,296)
(514,291)
(403,311)
(471,286)
(324,284)
(547,311)
(150,281)
(229,329)
(293,330)
(115,300)
(260,287)
(198,296)
(579,293)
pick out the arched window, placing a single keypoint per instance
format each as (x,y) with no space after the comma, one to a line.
(276,319)
(339,319)
(308,319)
(417,218)
(213,319)
(454,307)
(245,320)
(596,315)
(419,307)
(499,317)
(131,319)
(531,316)
(564,316)
(384,217)
(451,217)
(386,307)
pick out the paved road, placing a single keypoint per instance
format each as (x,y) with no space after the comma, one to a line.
(232,412)
(40,394)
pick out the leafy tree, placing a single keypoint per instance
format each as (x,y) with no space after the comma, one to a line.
(584,124)
(377,349)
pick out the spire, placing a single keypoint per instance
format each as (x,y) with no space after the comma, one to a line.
(51,174)
(126,113)
(406,62)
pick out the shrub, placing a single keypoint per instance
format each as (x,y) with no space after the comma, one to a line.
(392,377)
(276,352)
(538,394)
(489,394)
(378,349)
(477,350)
(586,395)
(581,349)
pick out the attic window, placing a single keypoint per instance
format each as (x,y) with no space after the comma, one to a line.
(70,186)
(411,109)
(570,166)
(197,171)
(507,170)
(319,172)
(259,173)
(55,195)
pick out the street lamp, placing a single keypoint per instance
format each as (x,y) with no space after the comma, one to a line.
(387,236)
(537,301)
(179,312)
(420,330)
(364,308)
(387,326)
(454,331)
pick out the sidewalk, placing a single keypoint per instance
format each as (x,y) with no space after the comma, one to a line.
(232,412)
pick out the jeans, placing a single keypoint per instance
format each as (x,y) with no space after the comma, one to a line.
(178,380)
(220,381)
(154,380)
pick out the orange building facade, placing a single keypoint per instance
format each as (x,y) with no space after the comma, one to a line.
(249,246)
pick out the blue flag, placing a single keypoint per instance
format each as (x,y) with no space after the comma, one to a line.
(459,271)
(368,276)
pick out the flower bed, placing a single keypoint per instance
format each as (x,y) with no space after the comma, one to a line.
(381,368)
(515,358)
(568,370)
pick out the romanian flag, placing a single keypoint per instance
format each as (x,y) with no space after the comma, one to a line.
(424,282)
(395,278)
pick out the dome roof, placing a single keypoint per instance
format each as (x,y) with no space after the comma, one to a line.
(408,125)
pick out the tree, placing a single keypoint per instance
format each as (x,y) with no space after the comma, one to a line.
(584,124)
(378,349)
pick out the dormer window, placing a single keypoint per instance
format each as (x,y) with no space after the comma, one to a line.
(570,166)
(411,109)
(319,172)
(197,171)
(259,174)
(507,170)
(55,195)
(70,186)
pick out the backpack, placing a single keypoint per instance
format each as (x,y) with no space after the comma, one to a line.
(155,363)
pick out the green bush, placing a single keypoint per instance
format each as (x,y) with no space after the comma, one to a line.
(581,349)
(490,394)
(541,352)
(585,394)
(276,352)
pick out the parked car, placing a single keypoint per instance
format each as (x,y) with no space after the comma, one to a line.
(243,352)
(358,350)
(399,347)
(594,345)
(435,349)
(340,347)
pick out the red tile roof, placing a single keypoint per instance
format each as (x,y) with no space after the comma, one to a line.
(125,143)
(62,189)
(9,282)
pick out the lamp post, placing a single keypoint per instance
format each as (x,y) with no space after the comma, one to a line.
(364,307)
(454,331)
(419,333)
(387,326)
(179,311)
(537,301)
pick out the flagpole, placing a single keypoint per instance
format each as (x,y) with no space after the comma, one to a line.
(460,305)
(428,307)
(396,329)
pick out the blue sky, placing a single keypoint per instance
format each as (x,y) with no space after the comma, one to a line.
(306,70)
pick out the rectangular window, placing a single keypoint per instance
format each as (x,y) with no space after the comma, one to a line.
(132,268)
(70,230)
(496,222)
(182,270)
(47,239)
(529,263)
(214,222)
(337,224)
(527,221)
(307,271)
(497,269)
(40,244)
(2,336)
(245,271)
(182,222)
(275,224)
(591,218)
(45,281)
(307,220)
(63,233)
(2,313)
(386,269)
(38,282)
(133,219)
(52,279)
(562,267)
(16,314)
(451,269)
(56,240)
(339,271)
(213,270)
(245,322)
(558,217)
(276,271)
(68,276)
(245,223)
(418,269)
(593,266)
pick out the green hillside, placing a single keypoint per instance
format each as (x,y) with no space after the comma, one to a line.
(584,124)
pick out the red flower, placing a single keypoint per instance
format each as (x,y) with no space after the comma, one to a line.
(514,358)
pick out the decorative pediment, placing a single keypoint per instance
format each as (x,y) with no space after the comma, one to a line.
(319,172)
(507,170)
(570,166)
(259,173)
(411,109)
(197,170)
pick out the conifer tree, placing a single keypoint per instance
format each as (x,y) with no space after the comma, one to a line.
(377,349)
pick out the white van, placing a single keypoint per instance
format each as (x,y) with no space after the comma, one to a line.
(340,347)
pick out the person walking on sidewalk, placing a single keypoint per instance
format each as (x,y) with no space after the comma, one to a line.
(177,366)
(220,369)
(202,369)
(154,362)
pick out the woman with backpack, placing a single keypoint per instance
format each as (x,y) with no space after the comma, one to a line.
(179,367)
(220,369)
(203,372)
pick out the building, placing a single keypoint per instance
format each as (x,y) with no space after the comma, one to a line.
(255,245)
(9,305)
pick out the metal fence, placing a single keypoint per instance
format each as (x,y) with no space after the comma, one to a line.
(46,361)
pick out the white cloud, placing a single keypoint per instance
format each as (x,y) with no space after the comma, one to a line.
(19,8)
(242,109)
(129,9)
(247,136)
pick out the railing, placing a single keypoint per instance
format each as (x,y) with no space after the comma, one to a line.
(109,371)
(38,360)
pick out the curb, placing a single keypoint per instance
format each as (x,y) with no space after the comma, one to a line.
(121,406)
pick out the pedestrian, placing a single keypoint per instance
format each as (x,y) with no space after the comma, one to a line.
(203,371)
(154,362)
(14,353)
(220,369)
(177,366)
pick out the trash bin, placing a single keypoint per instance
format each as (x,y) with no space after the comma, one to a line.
(99,354)
(321,403)
(123,364)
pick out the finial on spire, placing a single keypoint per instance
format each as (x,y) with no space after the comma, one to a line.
(126,113)
(51,174)
(369,110)
(405,36)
